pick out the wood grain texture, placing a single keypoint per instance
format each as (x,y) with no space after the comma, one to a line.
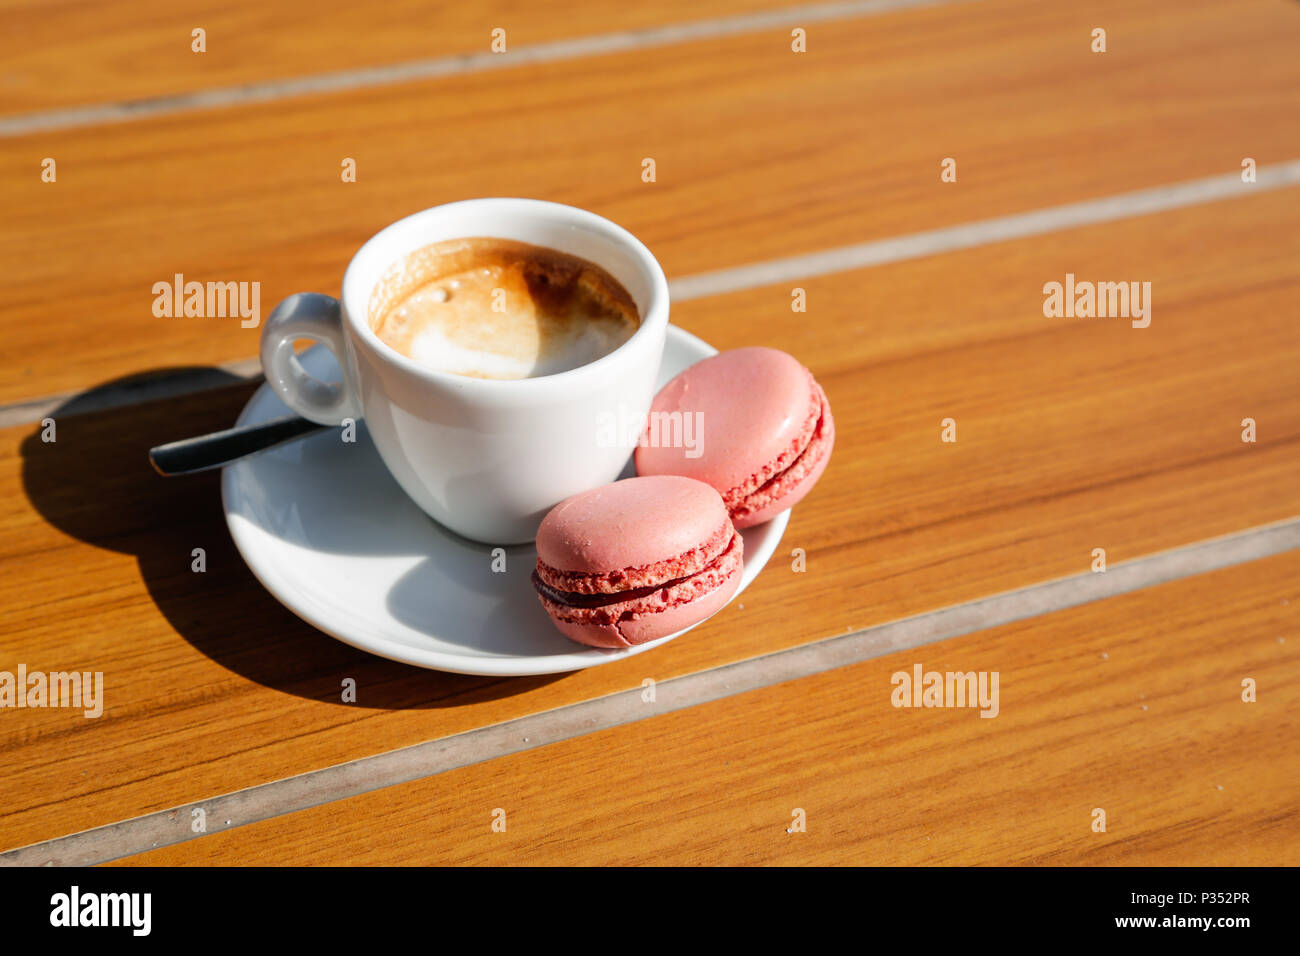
(1131,705)
(73,53)
(1072,435)
(761,153)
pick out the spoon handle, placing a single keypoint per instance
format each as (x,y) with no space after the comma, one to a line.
(205,452)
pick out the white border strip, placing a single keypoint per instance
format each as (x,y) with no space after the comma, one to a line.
(393,74)
(1089,212)
(145,389)
(341,781)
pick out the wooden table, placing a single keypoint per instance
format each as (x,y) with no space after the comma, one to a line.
(773,736)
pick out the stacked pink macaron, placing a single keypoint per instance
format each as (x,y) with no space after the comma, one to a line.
(731,442)
(760,426)
(636,560)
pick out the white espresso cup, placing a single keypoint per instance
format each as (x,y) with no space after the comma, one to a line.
(487,458)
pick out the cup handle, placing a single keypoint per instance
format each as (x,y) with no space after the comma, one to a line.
(308,315)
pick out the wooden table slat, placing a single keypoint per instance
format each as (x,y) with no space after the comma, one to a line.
(1132,706)
(89,53)
(761,153)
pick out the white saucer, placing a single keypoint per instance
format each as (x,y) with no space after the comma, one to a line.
(327,530)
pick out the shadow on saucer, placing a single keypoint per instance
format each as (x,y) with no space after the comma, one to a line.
(95,484)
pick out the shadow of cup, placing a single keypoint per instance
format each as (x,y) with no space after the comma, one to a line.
(94,483)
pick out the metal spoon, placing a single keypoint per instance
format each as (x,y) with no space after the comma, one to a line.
(205,452)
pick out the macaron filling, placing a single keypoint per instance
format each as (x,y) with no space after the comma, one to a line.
(626,579)
(791,467)
(613,607)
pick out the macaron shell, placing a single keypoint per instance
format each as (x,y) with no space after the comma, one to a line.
(648,599)
(624,579)
(789,488)
(633,523)
(651,627)
(755,407)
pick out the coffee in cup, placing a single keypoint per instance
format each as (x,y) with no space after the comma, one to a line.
(500,309)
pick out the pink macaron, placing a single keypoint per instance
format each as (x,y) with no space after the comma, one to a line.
(636,560)
(752,423)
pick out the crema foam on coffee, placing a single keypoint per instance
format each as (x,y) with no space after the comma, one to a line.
(497,308)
